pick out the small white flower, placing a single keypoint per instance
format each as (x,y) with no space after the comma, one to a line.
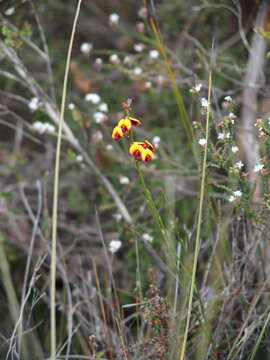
(237,193)
(93,98)
(221,136)
(41,127)
(114,58)
(10,11)
(198,87)
(204,103)
(124,180)
(235,149)
(258,167)
(109,147)
(228,98)
(148,238)
(239,165)
(202,142)
(148,84)
(103,107)
(99,117)
(137,71)
(38,126)
(98,62)
(86,48)
(156,141)
(127,60)
(153,54)
(114,19)
(49,128)
(114,246)
(139,47)
(79,158)
(71,106)
(34,103)
(117,217)
(232,116)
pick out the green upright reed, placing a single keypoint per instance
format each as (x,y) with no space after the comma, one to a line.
(56,193)
(199,223)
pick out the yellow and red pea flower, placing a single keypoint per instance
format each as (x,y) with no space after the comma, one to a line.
(125,126)
(148,145)
(117,133)
(136,149)
(141,151)
(134,121)
(147,155)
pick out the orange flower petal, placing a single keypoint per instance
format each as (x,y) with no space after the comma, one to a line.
(117,133)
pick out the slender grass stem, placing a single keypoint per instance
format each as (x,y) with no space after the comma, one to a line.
(259,340)
(56,192)
(158,220)
(179,99)
(199,221)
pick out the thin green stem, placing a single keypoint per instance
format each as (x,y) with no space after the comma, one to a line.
(56,192)
(156,216)
(199,222)
(259,340)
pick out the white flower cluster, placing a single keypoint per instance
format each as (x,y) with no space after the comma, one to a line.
(139,47)
(148,238)
(93,98)
(156,141)
(137,71)
(86,48)
(153,54)
(259,125)
(258,167)
(114,59)
(114,246)
(71,106)
(202,142)
(224,135)
(228,99)
(9,11)
(198,87)
(204,103)
(114,19)
(100,115)
(235,149)
(42,128)
(239,165)
(34,103)
(236,195)
(124,180)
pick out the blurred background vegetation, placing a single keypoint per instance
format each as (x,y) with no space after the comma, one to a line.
(115,56)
